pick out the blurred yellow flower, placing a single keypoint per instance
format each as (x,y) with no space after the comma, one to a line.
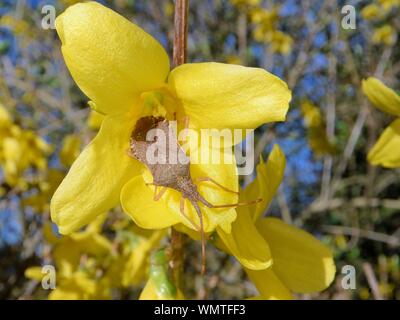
(19,150)
(68,250)
(131,264)
(80,286)
(77,258)
(341,242)
(47,184)
(134,80)
(265,30)
(371,11)
(316,130)
(384,35)
(364,293)
(34,273)
(5,118)
(385,151)
(389,4)
(280,42)
(19,26)
(169,8)
(71,147)
(264,21)
(242,3)
(233,59)
(264,17)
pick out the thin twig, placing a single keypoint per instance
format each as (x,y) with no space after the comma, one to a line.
(372,282)
(179,57)
(366,234)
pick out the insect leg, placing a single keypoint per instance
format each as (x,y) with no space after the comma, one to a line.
(208,179)
(233,205)
(186,122)
(160,194)
(129,153)
(238,204)
(182,210)
(185,127)
(203,239)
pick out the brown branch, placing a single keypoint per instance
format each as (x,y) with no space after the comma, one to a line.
(320,205)
(179,57)
(242,37)
(391,240)
(372,281)
(180,32)
(358,202)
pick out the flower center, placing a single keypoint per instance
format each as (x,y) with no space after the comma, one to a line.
(158,103)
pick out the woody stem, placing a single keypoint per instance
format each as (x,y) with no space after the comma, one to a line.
(179,57)
(180,32)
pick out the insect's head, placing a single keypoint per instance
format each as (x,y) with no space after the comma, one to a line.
(143,126)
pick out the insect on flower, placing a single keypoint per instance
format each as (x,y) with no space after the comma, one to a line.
(174,175)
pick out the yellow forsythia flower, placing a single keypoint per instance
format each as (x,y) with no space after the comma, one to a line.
(389,4)
(385,151)
(74,279)
(20,27)
(384,35)
(47,183)
(19,150)
(371,12)
(134,80)
(278,258)
(280,42)
(316,130)
(70,149)
(131,264)
(241,3)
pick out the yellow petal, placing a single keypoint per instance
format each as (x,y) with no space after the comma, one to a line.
(34,273)
(93,244)
(268,285)
(217,95)
(93,184)
(95,119)
(189,232)
(135,266)
(150,292)
(111,59)
(371,11)
(385,152)
(70,149)
(49,235)
(80,287)
(301,262)
(224,173)
(246,243)
(137,201)
(269,177)
(5,118)
(381,96)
